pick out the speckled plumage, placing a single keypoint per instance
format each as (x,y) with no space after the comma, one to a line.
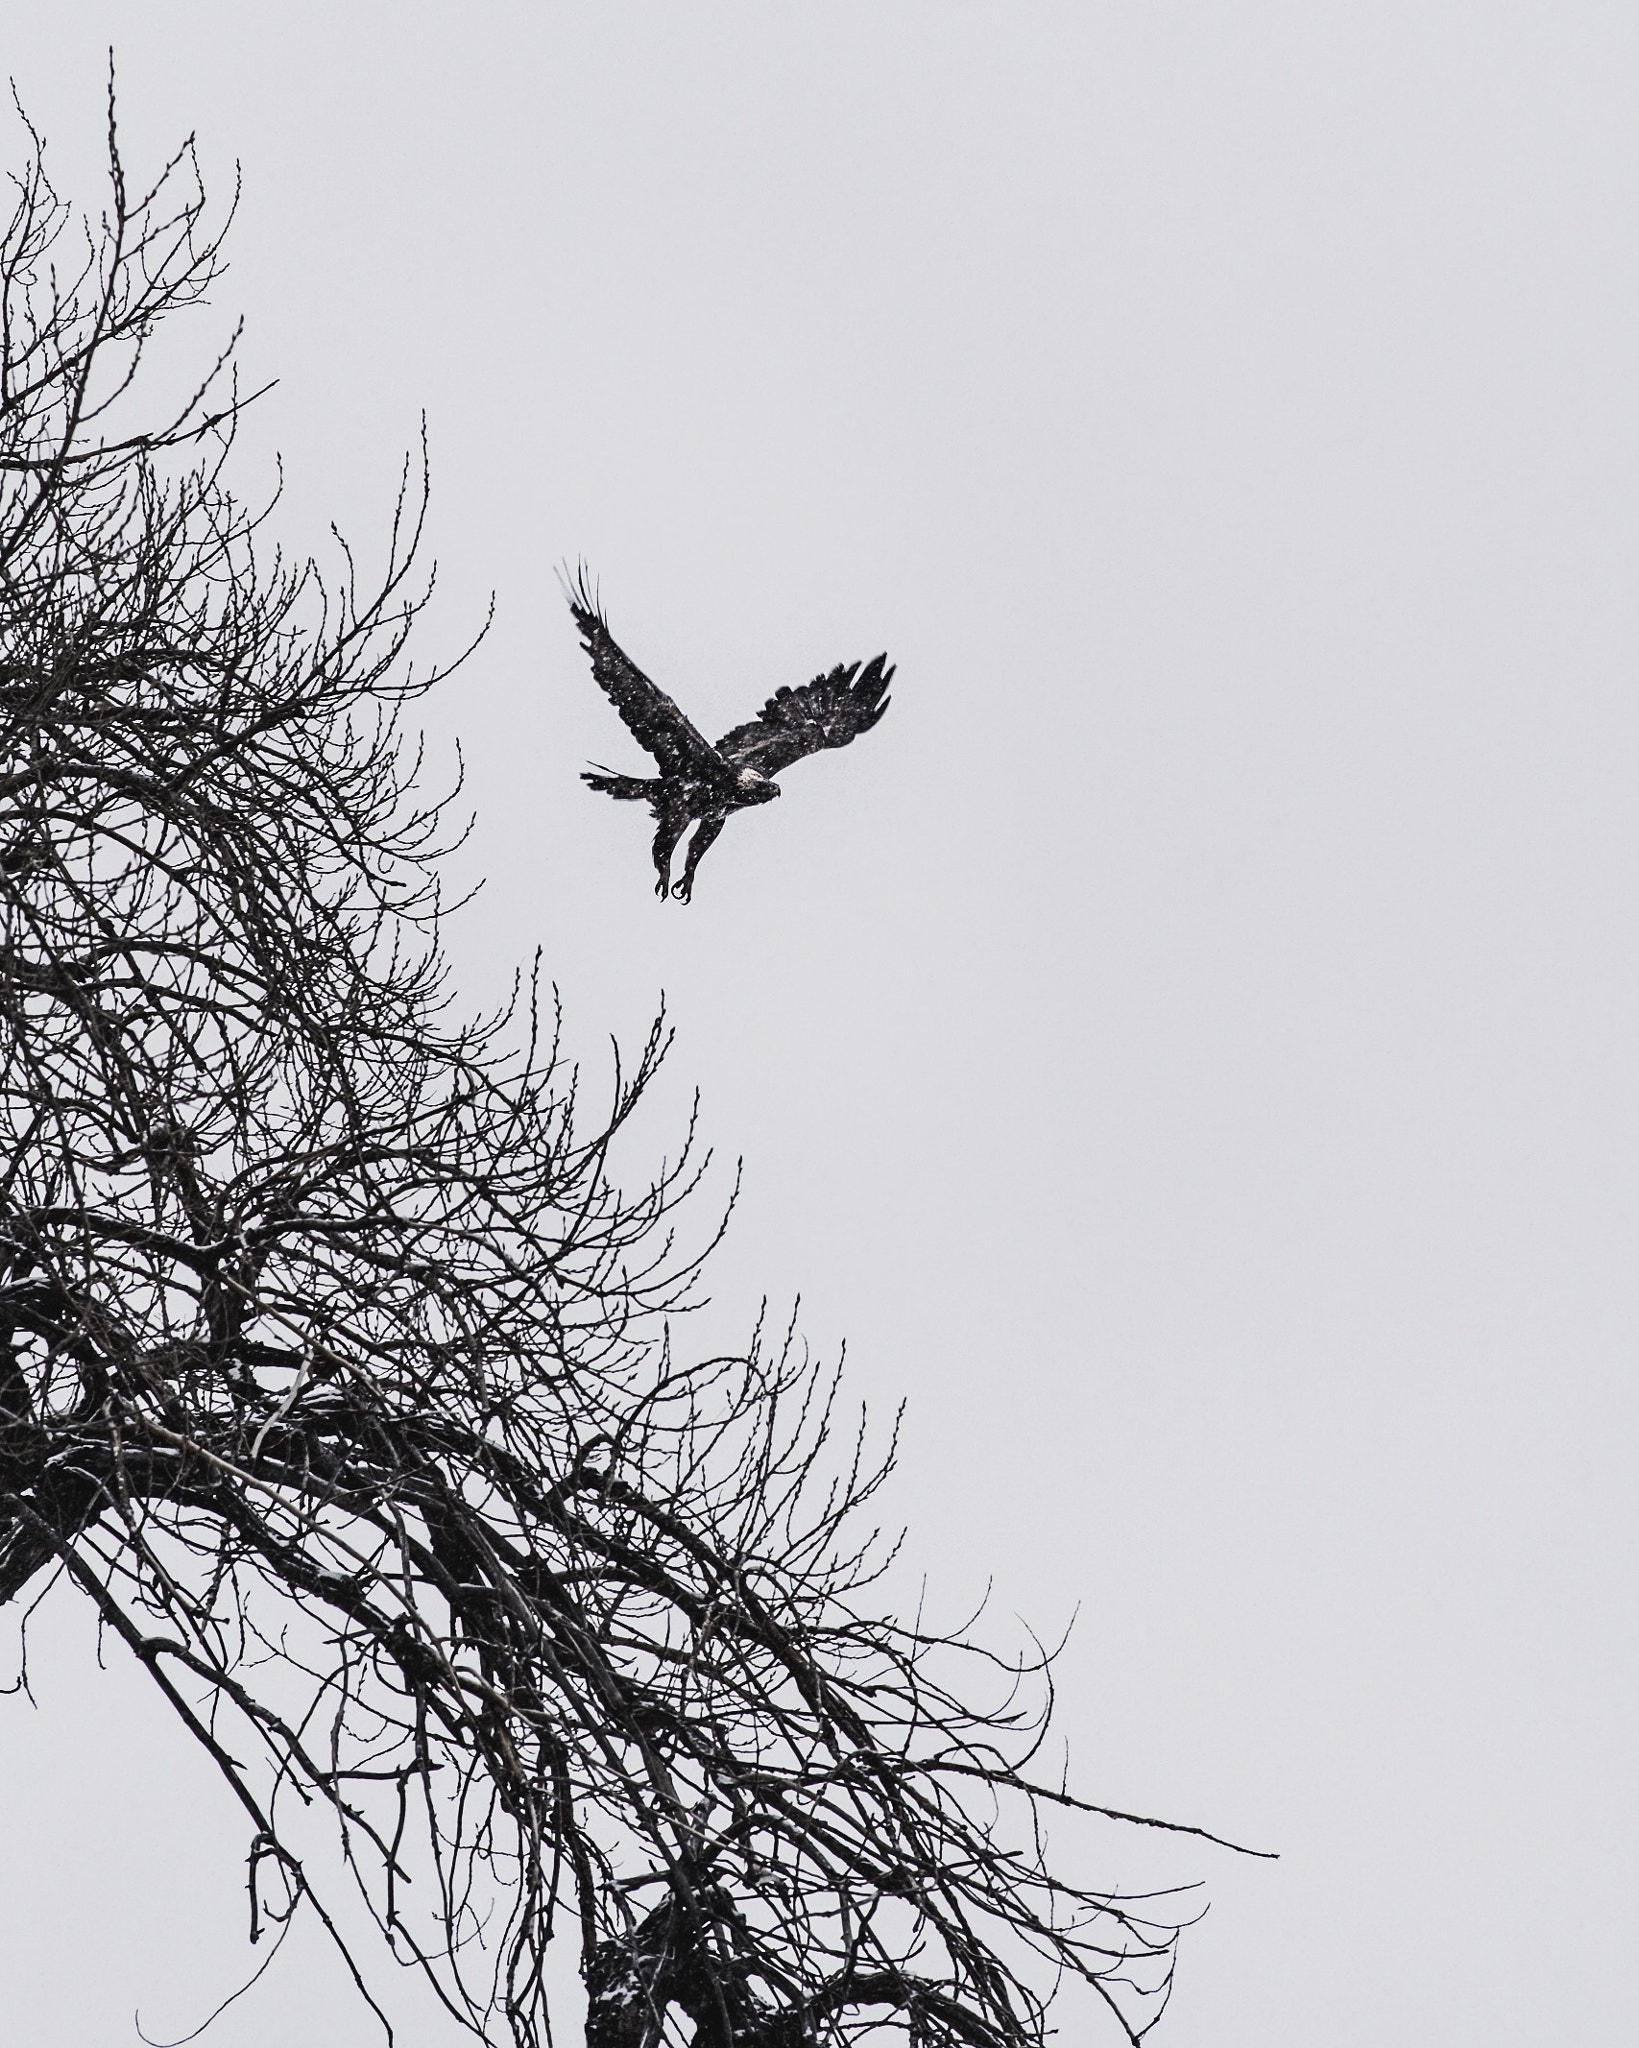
(700,783)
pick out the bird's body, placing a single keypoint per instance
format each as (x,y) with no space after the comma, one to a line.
(699,783)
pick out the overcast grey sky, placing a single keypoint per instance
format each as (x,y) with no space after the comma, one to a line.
(1189,1050)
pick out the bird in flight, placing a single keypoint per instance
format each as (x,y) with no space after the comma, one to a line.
(699,784)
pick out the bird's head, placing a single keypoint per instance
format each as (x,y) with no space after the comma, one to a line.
(755,788)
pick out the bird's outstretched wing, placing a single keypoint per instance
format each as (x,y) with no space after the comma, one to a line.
(651,717)
(828,712)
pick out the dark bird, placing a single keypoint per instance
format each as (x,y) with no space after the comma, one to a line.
(699,784)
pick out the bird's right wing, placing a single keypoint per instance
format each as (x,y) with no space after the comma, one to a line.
(651,717)
(828,712)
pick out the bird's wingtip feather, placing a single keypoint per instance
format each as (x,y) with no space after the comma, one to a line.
(585,599)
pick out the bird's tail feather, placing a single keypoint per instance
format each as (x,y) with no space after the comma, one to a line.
(619,785)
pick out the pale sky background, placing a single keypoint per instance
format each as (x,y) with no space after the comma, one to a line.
(1190,1049)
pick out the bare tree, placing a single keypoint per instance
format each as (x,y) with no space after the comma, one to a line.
(337,1365)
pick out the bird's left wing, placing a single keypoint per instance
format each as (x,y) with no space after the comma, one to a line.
(828,712)
(651,717)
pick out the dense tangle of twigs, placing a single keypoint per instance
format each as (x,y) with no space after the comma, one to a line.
(335,1363)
